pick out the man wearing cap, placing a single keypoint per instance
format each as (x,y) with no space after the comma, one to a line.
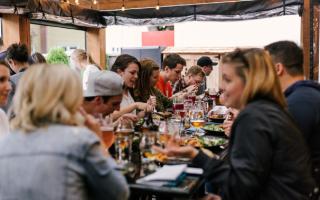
(102,93)
(206,64)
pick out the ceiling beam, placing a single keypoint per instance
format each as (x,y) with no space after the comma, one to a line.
(134,4)
(107,5)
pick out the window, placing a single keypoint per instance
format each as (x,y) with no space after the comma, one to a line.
(43,38)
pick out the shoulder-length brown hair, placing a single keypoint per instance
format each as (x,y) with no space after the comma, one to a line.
(144,89)
(254,66)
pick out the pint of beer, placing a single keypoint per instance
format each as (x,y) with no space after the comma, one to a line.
(107,135)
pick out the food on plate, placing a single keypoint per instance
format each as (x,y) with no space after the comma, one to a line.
(155,156)
(205,141)
(213,127)
(212,141)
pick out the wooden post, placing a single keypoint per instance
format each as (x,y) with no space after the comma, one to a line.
(16,29)
(96,45)
(316,41)
(310,38)
(305,37)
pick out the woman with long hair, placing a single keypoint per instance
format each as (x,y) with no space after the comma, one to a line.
(50,154)
(267,156)
(128,68)
(148,78)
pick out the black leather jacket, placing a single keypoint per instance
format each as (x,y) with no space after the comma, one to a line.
(268,159)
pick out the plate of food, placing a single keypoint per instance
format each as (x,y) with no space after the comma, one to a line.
(218,114)
(208,142)
(214,129)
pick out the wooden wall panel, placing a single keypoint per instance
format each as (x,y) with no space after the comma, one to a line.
(96,45)
(16,29)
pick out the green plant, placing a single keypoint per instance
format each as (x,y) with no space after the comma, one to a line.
(57,56)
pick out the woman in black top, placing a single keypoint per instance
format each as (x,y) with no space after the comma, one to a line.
(267,156)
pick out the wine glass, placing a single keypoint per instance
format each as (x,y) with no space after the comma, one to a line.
(178,107)
(164,135)
(123,142)
(197,119)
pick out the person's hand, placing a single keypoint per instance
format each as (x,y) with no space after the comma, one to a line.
(173,149)
(152,101)
(129,116)
(90,122)
(141,106)
(191,89)
(227,124)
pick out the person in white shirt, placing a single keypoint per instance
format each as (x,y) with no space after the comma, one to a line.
(128,68)
(5,88)
(82,62)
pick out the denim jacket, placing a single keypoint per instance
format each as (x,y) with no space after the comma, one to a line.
(57,162)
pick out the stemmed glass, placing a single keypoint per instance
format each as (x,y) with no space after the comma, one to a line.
(178,107)
(164,135)
(123,142)
(197,118)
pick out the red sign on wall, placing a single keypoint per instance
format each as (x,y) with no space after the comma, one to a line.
(158,38)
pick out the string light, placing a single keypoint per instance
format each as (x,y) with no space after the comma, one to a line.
(123,8)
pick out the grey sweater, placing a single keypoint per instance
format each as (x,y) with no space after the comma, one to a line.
(55,163)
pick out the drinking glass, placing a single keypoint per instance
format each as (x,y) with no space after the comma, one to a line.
(197,119)
(123,142)
(178,105)
(164,135)
(147,141)
(107,131)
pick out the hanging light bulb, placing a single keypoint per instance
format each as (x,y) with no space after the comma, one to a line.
(77,2)
(123,8)
(95,2)
(157,7)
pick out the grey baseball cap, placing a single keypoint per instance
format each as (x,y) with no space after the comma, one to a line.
(103,83)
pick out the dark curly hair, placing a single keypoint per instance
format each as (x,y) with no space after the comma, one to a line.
(18,52)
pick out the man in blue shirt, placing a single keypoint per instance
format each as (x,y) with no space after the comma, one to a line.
(303,96)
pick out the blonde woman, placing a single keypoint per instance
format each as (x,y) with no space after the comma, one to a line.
(50,154)
(82,62)
(268,158)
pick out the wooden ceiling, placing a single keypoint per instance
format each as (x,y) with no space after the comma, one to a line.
(106,5)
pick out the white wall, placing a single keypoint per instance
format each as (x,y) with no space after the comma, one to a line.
(123,36)
(236,34)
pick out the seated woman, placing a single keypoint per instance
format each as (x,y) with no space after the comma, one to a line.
(194,77)
(267,156)
(128,68)
(5,88)
(50,154)
(148,78)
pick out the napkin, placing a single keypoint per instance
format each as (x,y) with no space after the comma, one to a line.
(167,175)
